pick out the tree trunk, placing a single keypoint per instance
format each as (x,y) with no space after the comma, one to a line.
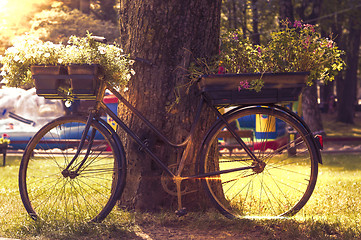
(255,19)
(85,6)
(108,11)
(286,10)
(347,102)
(74,4)
(310,110)
(168,34)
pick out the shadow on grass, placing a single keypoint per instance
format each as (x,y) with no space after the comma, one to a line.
(165,225)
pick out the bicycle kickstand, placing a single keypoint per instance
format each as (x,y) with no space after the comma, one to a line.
(181,210)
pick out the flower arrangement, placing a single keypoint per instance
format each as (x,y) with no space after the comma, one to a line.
(300,48)
(115,64)
(296,47)
(5,139)
(28,51)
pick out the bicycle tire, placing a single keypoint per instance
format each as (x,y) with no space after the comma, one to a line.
(48,194)
(278,187)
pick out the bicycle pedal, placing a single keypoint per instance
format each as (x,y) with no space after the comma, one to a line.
(181,212)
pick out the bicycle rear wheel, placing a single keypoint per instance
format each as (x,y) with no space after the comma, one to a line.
(277,186)
(87,194)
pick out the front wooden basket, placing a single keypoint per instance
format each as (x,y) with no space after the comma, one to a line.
(52,82)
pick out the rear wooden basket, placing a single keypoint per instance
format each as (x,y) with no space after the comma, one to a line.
(223,89)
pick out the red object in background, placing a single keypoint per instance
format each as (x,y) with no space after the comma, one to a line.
(110,99)
(319,139)
(112,102)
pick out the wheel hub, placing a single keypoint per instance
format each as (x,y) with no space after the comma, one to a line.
(71,174)
(258,166)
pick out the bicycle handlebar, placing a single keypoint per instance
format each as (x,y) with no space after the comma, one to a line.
(99,39)
(142,60)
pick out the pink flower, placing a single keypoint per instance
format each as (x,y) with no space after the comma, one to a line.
(243,85)
(221,70)
(307,42)
(309,26)
(297,24)
(329,44)
(259,50)
(5,135)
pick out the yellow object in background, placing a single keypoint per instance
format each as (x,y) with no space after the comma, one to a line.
(265,123)
(111,122)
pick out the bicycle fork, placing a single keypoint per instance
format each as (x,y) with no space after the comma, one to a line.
(74,173)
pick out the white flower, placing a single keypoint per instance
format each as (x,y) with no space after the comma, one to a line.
(125,89)
(132,71)
(102,50)
(5,81)
(12,50)
(16,58)
(3,73)
(47,55)
(60,61)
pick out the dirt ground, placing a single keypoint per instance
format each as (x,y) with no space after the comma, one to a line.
(181,233)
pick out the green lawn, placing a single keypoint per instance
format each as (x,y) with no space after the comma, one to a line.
(333,212)
(337,197)
(338,129)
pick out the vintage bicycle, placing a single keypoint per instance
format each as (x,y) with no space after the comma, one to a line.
(258,159)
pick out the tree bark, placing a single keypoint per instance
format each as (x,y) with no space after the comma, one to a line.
(85,6)
(310,110)
(74,4)
(255,19)
(169,34)
(107,10)
(286,10)
(347,102)
(310,107)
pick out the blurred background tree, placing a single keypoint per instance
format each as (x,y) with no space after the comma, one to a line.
(336,19)
(56,20)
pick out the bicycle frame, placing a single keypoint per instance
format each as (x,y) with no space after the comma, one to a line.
(143,145)
(186,143)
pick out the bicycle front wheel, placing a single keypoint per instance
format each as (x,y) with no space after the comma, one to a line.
(88,189)
(278,183)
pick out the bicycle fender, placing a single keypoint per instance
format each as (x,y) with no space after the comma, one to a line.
(121,150)
(115,136)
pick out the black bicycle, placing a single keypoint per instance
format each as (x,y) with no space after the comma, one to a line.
(259,159)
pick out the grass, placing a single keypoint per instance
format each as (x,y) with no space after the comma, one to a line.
(333,212)
(338,129)
(337,197)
